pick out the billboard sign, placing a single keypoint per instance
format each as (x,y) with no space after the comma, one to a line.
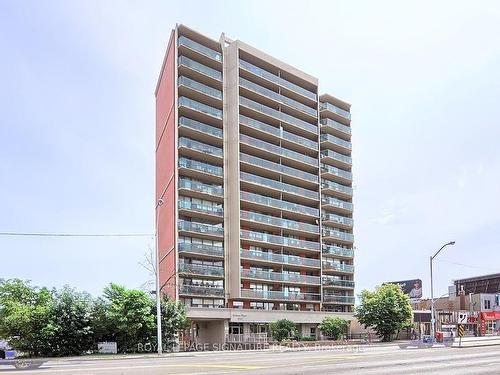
(413,288)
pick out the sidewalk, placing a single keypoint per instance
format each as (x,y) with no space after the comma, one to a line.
(470,342)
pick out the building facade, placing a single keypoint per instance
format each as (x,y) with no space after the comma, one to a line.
(253,170)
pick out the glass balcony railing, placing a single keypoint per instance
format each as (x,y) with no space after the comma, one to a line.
(343,236)
(337,219)
(336,125)
(200,68)
(279,240)
(339,299)
(325,168)
(327,184)
(278,115)
(280,258)
(276,221)
(337,251)
(201,187)
(336,202)
(275,79)
(198,290)
(277,97)
(335,140)
(200,87)
(201,269)
(276,203)
(203,208)
(192,226)
(278,150)
(200,107)
(336,156)
(279,276)
(331,281)
(201,167)
(201,127)
(254,160)
(198,248)
(287,188)
(278,132)
(279,295)
(200,146)
(331,266)
(200,48)
(333,108)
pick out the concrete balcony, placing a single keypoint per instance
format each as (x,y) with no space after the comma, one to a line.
(205,211)
(198,189)
(344,300)
(280,277)
(336,235)
(335,204)
(335,128)
(338,267)
(279,295)
(264,149)
(336,189)
(332,282)
(290,192)
(200,111)
(203,230)
(337,251)
(289,140)
(200,131)
(197,169)
(201,269)
(274,98)
(335,174)
(197,290)
(274,259)
(277,205)
(195,149)
(199,52)
(200,92)
(334,143)
(337,220)
(272,169)
(273,221)
(200,249)
(276,116)
(270,77)
(200,72)
(336,159)
(278,241)
(329,109)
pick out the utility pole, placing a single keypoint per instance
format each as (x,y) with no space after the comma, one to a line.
(157,275)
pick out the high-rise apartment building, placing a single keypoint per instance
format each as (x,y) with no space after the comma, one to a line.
(254,170)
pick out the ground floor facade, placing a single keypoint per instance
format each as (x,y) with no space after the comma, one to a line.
(210,328)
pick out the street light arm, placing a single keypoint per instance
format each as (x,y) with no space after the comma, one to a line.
(442,247)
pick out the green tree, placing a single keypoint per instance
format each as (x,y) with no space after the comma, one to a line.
(71,316)
(127,317)
(334,327)
(387,310)
(283,329)
(173,320)
(26,319)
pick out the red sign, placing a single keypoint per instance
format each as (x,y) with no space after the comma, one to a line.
(490,315)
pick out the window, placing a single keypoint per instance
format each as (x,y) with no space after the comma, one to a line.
(312,333)
(487,304)
(238,304)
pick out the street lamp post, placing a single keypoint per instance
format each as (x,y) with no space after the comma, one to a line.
(433,318)
(157,281)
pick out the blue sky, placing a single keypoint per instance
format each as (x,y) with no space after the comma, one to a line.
(77,86)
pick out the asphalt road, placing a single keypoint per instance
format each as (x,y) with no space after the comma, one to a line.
(368,360)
